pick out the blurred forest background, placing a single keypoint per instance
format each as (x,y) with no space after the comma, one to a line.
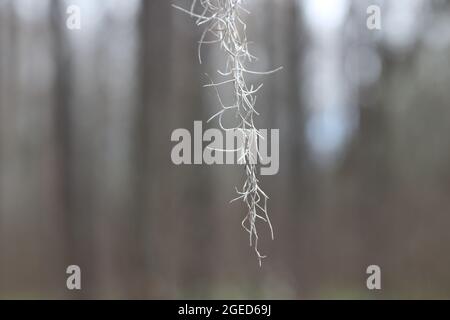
(86,176)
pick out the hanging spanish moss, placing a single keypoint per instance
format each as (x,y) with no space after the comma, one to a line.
(224,26)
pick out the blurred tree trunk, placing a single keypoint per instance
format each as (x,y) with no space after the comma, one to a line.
(367,163)
(8,78)
(195,218)
(148,209)
(76,220)
(286,111)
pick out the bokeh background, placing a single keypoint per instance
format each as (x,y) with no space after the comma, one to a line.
(86,176)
